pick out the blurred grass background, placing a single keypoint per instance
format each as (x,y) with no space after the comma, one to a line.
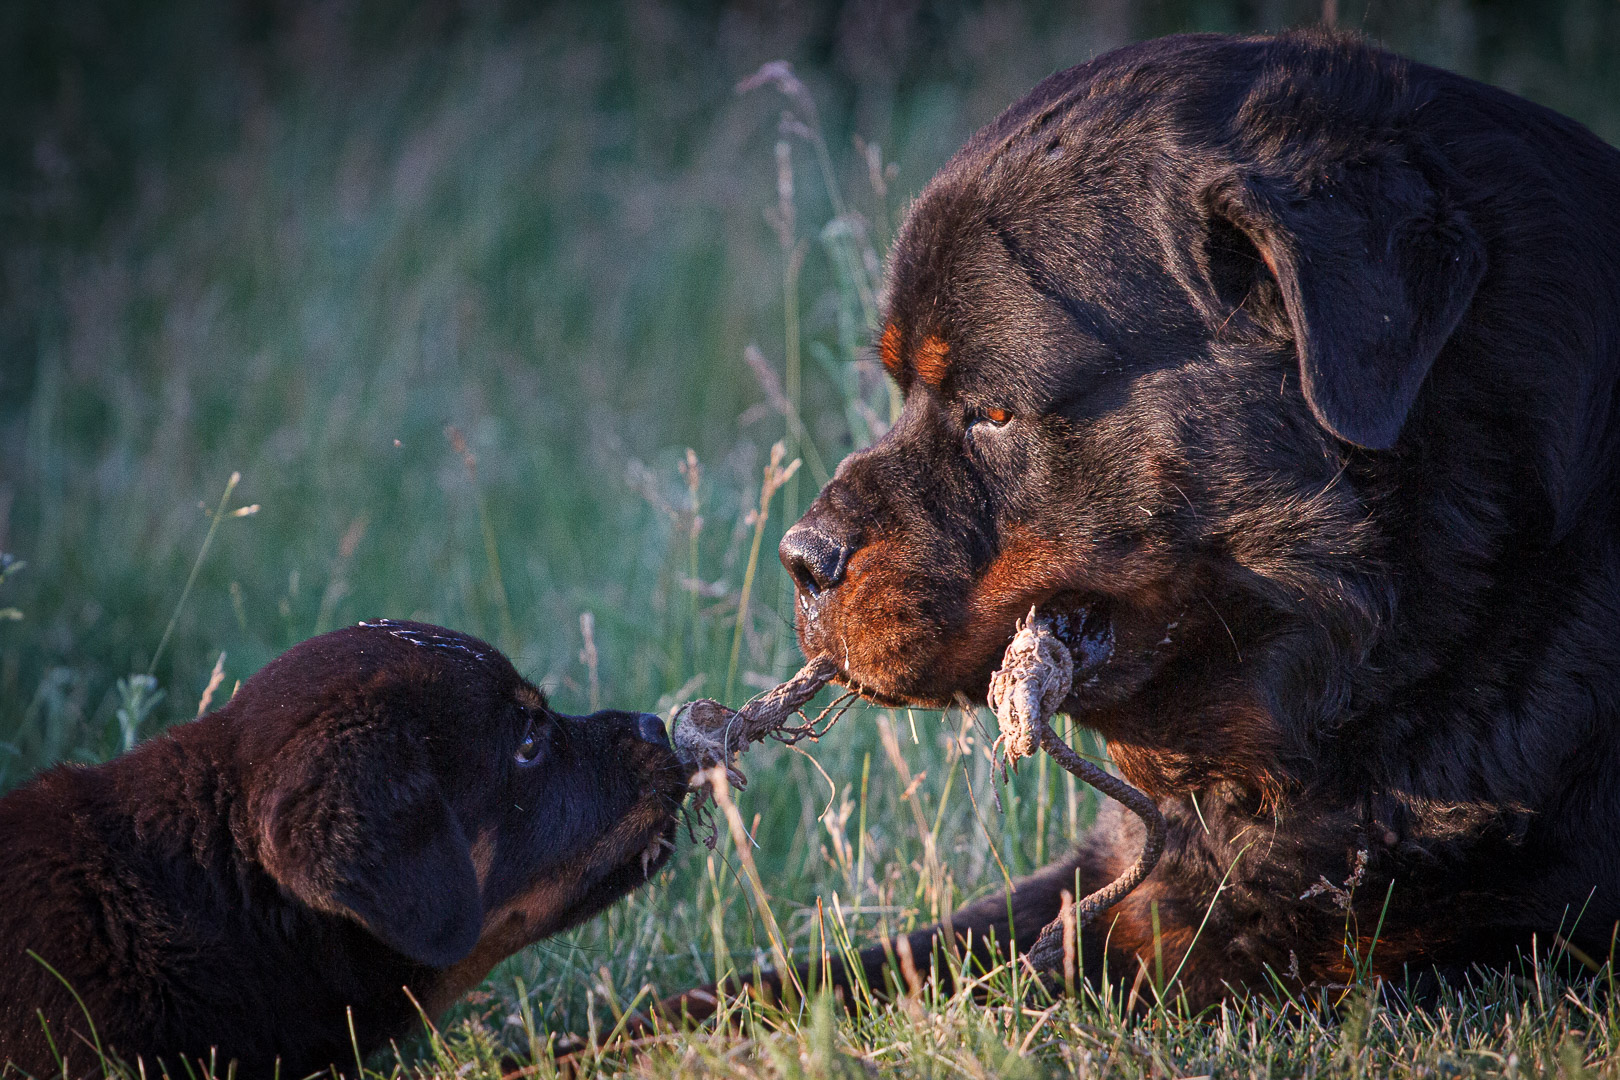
(302,240)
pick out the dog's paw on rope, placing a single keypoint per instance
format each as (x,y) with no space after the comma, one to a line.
(708,734)
(1037,672)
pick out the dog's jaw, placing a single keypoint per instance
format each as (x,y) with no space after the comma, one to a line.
(524,920)
(1086,629)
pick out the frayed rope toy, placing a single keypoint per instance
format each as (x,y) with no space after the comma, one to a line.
(709,735)
(1036,674)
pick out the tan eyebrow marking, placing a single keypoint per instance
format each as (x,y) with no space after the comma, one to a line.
(889,348)
(931,361)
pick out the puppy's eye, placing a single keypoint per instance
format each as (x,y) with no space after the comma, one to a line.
(990,418)
(530,746)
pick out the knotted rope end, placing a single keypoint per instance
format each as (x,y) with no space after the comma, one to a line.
(708,735)
(1035,677)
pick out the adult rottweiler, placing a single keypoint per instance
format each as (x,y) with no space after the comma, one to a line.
(375,819)
(1285,370)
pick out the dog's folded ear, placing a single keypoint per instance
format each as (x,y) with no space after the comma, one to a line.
(1375,269)
(355,825)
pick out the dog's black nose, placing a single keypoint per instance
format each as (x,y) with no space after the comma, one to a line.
(650,729)
(815,555)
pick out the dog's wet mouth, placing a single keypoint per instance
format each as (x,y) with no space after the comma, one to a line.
(1086,627)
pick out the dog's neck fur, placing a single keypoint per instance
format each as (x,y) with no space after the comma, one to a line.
(1491,684)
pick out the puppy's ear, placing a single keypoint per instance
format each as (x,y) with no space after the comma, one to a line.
(1375,271)
(353,824)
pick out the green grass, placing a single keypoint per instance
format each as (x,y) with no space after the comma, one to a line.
(455,291)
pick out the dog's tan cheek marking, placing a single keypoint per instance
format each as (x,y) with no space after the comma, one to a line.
(872,630)
(482,852)
(1027,564)
(497,932)
(506,930)
(889,348)
(1028,569)
(493,947)
(932,361)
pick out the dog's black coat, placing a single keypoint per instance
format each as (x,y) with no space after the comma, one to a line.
(1291,366)
(382,807)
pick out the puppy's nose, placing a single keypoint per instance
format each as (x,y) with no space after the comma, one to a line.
(815,554)
(650,729)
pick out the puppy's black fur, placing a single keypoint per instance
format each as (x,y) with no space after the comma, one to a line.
(384,807)
(1288,371)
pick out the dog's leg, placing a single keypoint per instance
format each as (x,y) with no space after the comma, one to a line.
(984,928)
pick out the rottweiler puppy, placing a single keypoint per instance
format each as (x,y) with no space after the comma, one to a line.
(1286,372)
(375,819)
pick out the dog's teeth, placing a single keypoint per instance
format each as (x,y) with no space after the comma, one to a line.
(650,854)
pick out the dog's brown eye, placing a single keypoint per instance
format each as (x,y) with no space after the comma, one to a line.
(529,748)
(993,417)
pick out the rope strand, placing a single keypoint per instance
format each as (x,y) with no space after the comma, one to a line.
(1035,677)
(1036,674)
